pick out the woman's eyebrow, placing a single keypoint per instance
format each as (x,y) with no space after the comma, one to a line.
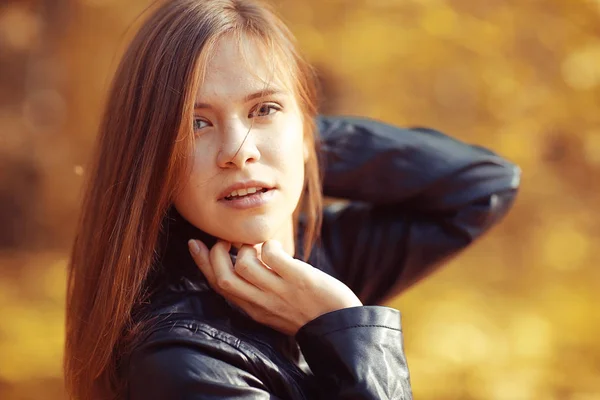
(262,93)
(256,95)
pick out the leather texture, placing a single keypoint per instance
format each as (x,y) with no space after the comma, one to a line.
(413,199)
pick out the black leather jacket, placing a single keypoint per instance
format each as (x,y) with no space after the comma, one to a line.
(417,197)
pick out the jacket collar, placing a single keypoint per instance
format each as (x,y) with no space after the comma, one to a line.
(174,259)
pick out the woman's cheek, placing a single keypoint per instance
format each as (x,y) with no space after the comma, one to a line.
(290,139)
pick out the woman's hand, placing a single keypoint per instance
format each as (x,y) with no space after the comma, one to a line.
(276,289)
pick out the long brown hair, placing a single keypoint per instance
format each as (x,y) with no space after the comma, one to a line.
(139,163)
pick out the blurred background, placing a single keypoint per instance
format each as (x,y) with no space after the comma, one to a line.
(515,317)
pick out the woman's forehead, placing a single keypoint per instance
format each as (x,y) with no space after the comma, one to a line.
(239,66)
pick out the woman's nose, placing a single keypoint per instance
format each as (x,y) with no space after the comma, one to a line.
(238,147)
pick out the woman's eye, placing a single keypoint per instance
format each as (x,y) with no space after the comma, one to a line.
(264,109)
(199,124)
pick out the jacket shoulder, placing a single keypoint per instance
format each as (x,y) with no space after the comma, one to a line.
(187,356)
(196,335)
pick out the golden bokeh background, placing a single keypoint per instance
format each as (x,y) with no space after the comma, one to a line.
(513,318)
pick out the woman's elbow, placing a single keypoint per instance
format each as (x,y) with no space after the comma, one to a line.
(481,215)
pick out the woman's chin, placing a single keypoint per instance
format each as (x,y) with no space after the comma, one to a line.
(257,230)
(252,240)
(246,236)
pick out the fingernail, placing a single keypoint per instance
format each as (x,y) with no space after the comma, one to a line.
(194,248)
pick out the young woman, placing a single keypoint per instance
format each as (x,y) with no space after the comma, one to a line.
(204,264)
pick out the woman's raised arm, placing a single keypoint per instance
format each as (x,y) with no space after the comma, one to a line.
(417,197)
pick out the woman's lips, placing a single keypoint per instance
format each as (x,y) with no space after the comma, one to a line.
(244,185)
(249,201)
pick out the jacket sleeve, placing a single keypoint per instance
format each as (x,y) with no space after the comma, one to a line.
(354,353)
(416,198)
(357,353)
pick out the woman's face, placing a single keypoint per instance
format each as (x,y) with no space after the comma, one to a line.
(248,163)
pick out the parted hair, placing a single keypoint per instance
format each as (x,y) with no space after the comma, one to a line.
(144,139)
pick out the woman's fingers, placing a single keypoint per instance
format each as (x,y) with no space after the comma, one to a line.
(275,264)
(249,267)
(225,280)
(216,266)
(200,254)
(286,266)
